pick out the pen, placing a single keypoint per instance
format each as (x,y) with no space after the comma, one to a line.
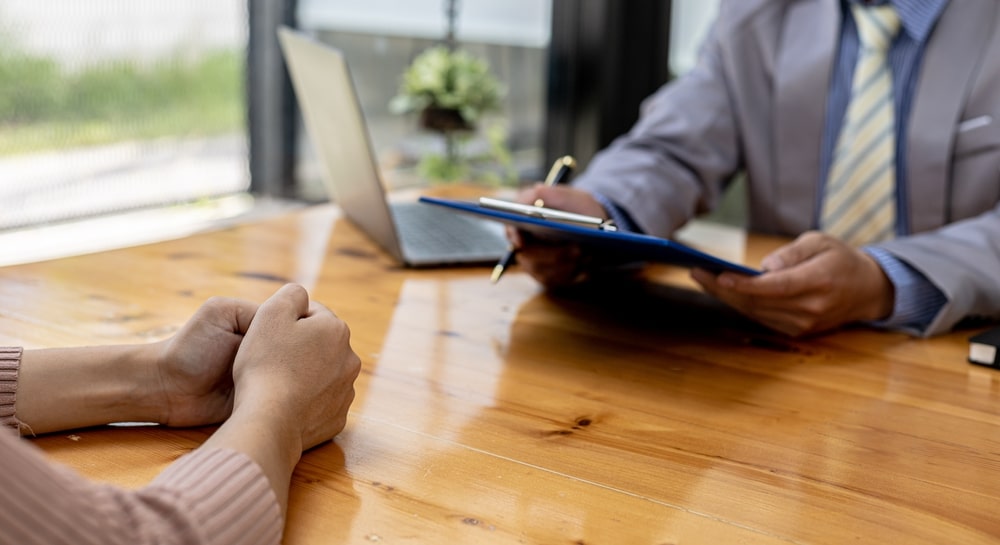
(557,174)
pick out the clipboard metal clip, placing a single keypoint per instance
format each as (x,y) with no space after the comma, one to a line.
(550,214)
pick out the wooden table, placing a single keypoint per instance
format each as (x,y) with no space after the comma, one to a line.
(499,414)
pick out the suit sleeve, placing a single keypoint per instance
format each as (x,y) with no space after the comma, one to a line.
(672,164)
(963,261)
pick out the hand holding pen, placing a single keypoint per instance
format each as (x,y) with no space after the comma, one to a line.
(558,174)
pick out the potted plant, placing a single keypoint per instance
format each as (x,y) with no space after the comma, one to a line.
(451,90)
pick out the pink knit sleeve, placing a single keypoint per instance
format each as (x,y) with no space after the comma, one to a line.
(10,362)
(214,496)
(218,497)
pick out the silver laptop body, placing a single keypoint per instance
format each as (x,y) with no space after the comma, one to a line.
(415,234)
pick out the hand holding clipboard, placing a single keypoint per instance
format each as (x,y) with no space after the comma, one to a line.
(587,232)
(558,174)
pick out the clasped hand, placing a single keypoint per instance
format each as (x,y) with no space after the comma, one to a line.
(282,346)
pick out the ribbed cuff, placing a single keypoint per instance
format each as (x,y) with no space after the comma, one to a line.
(10,363)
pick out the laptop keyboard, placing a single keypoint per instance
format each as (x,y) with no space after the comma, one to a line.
(430,231)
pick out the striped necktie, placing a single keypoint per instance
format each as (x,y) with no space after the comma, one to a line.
(859,205)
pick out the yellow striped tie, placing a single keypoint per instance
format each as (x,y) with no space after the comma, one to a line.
(859,205)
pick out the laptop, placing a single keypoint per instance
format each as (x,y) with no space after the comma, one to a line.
(415,234)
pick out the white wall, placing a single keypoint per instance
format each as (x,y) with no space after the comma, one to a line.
(690,22)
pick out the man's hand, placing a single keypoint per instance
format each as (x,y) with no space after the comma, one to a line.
(814,284)
(554,264)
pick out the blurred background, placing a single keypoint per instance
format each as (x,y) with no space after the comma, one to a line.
(124,121)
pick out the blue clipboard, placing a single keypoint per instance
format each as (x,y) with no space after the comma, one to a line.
(615,245)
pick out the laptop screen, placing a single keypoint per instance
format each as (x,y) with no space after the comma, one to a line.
(337,126)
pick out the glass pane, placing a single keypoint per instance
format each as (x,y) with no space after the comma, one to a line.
(109,105)
(380,38)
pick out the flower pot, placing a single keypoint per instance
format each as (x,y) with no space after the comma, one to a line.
(443,120)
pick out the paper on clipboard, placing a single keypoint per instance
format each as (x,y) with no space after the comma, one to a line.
(609,243)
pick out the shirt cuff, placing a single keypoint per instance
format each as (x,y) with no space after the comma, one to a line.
(917,299)
(621,218)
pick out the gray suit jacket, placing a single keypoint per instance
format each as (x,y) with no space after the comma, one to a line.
(756,102)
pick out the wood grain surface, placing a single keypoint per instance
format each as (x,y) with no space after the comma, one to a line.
(632,411)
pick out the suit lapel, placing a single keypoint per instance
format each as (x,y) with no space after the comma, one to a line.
(802,82)
(950,58)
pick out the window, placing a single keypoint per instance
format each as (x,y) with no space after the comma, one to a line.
(381,37)
(111,105)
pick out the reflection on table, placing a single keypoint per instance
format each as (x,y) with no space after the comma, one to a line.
(623,412)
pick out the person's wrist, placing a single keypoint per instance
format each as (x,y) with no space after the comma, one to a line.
(273,414)
(145,398)
(97,385)
(881,293)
